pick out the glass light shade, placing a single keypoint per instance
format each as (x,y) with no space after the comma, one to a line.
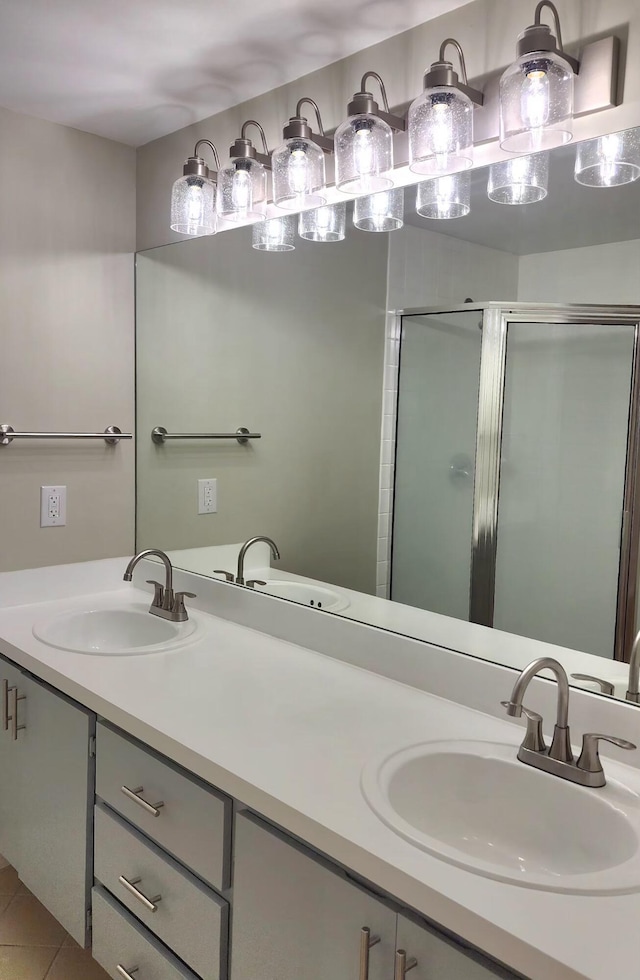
(536,103)
(298,175)
(364,155)
(327,224)
(275,234)
(609,161)
(445,197)
(242,190)
(380,212)
(523,180)
(193,206)
(440,131)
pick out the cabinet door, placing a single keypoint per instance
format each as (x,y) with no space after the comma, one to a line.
(442,959)
(295,918)
(11,767)
(55,807)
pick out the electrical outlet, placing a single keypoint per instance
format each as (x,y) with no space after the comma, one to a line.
(207,496)
(53,506)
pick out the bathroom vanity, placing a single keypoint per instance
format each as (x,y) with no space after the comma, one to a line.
(202,811)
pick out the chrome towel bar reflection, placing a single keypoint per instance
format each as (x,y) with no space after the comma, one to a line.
(111,435)
(160,435)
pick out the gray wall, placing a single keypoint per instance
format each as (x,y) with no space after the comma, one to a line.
(287,344)
(67,233)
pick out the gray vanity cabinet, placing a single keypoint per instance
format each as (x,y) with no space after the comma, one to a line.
(46,775)
(293,917)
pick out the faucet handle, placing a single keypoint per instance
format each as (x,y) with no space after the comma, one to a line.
(606,687)
(229,576)
(533,738)
(252,582)
(158,595)
(589,760)
(178,608)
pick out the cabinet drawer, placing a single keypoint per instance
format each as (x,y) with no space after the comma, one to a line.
(194,822)
(120,941)
(188,917)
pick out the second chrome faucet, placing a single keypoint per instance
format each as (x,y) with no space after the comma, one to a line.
(238,578)
(558,758)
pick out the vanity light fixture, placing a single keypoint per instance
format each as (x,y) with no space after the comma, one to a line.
(609,161)
(298,163)
(445,197)
(383,211)
(364,142)
(275,234)
(242,184)
(536,91)
(440,121)
(523,180)
(193,196)
(326,224)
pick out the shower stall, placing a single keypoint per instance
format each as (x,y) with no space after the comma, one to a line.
(516,492)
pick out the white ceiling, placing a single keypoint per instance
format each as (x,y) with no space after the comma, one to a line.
(134,70)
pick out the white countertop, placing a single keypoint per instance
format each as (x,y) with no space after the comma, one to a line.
(287,731)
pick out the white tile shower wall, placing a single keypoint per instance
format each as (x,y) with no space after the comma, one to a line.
(425,269)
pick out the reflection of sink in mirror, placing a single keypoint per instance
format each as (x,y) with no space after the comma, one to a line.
(307,594)
(113,632)
(474,805)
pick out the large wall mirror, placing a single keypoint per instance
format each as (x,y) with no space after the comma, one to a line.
(439,421)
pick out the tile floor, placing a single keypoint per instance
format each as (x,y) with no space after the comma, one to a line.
(33,946)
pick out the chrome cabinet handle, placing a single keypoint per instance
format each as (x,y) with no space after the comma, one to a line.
(127,974)
(14,697)
(605,686)
(134,794)
(151,904)
(366,942)
(5,705)
(403,965)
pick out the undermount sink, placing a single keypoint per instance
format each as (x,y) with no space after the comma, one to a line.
(113,632)
(306,593)
(474,805)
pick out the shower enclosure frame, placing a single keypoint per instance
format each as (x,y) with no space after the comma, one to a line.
(496,317)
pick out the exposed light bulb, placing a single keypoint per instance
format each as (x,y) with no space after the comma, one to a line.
(442,132)
(363,151)
(241,191)
(535,101)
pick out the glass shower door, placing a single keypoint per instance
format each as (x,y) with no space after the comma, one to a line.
(435,452)
(567,397)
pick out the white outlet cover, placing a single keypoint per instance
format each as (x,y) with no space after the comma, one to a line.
(53,506)
(207,496)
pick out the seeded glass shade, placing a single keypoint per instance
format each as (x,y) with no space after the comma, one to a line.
(364,155)
(536,103)
(327,224)
(523,180)
(440,131)
(275,234)
(380,212)
(298,175)
(193,206)
(242,190)
(609,160)
(445,197)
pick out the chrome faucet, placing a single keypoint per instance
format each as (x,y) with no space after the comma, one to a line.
(238,579)
(166,603)
(633,694)
(558,759)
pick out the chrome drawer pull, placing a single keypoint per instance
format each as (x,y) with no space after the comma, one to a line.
(134,794)
(403,965)
(5,704)
(13,717)
(127,974)
(151,904)
(366,942)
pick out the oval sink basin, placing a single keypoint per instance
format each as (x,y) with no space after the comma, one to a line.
(113,632)
(474,805)
(306,593)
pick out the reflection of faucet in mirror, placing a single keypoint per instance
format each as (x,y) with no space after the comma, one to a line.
(165,604)
(239,578)
(558,759)
(633,694)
